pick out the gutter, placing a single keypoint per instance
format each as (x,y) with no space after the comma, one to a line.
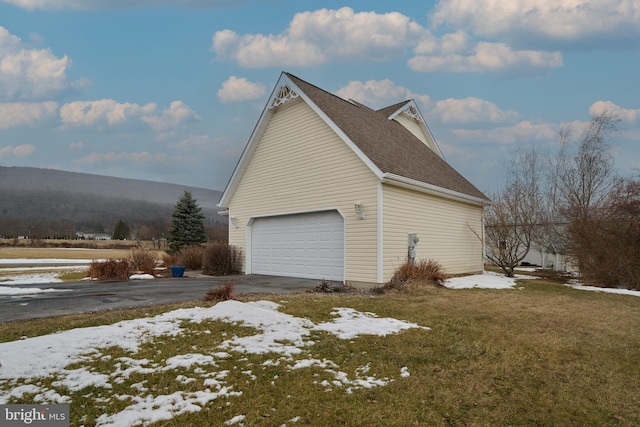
(412,184)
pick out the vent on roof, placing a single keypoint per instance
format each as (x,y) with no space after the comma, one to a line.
(411,111)
(285,94)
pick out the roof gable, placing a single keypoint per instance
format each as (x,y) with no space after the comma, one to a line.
(391,147)
(387,147)
(409,110)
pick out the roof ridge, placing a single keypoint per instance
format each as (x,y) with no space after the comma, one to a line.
(322,90)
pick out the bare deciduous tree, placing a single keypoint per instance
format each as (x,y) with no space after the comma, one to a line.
(586,178)
(512,221)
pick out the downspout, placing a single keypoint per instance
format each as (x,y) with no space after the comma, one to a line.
(380,241)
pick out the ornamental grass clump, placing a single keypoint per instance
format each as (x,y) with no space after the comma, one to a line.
(143,260)
(110,269)
(425,272)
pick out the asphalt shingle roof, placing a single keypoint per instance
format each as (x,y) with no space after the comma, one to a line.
(388,144)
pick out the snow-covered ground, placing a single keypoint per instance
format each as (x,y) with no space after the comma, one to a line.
(284,340)
(25,271)
(27,365)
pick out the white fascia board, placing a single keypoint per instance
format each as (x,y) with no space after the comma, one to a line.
(423,125)
(412,184)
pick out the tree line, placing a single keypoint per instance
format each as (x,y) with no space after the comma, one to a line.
(574,197)
(38,215)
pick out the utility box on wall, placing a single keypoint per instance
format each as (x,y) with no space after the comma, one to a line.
(412,242)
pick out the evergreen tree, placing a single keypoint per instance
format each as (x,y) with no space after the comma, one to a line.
(121,231)
(187,226)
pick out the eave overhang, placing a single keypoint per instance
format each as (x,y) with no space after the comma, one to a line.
(412,184)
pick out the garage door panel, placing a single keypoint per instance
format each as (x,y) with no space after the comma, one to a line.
(307,245)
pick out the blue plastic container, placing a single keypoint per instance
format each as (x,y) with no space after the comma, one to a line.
(177,270)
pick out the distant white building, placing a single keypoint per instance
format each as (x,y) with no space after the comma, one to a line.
(92,236)
(552,257)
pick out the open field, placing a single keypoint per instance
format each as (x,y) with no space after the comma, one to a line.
(62,253)
(542,354)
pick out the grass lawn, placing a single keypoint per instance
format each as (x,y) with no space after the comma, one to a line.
(543,354)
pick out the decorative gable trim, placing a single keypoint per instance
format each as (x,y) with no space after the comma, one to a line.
(411,110)
(284,94)
(413,113)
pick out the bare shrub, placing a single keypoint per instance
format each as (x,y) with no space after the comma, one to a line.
(169,260)
(419,273)
(221,293)
(606,245)
(111,269)
(191,257)
(221,259)
(143,260)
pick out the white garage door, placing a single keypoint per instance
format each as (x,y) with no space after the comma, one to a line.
(309,245)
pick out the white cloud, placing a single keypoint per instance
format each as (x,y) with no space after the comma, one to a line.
(118,4)
(487,57)
(142,157)
(177,114)
(19,151)
(323,35)
(625,114)
(108,112)
(102,112)
(508,134)
(380,93)
(342,35)
(28,74)
(17,114)
(470,110)
(544,22)
(238,89)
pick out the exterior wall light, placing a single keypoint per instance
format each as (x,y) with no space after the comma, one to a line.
(358,207)
(234,221)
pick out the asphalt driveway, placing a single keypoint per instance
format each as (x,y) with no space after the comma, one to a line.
(87,297)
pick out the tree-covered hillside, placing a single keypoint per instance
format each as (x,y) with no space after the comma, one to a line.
(50,203)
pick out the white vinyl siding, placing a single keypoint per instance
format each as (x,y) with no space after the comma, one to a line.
(300,165)
(449,231)
(414,127)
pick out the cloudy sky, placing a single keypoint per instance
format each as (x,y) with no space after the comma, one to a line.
(172,92)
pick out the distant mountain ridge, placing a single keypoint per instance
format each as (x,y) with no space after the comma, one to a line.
(36,179)
(48,202)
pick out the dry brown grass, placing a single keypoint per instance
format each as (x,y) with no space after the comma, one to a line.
(62,253)
(85,244)
(544,355)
